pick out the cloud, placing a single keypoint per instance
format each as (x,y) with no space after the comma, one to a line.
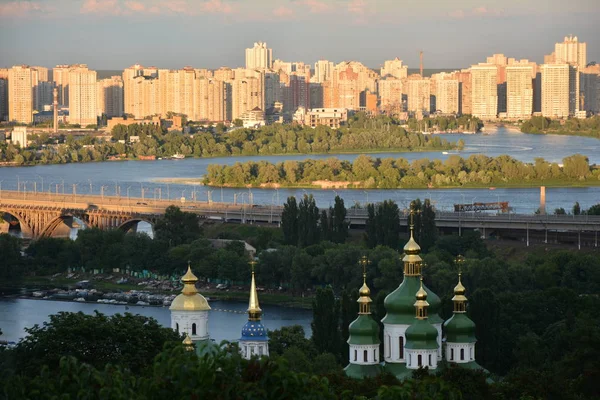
(283,12)
(22,8)
(216,7)
(100,7)
(316,6)
(480,11)
(135,6)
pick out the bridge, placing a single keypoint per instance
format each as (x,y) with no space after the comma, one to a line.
(43,214)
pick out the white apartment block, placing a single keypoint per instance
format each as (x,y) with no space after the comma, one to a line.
(571,51)
(21,83)
(447,96)
(395,69)
(484,91)
(83,96)
(110,97)
(519,91)
(390,94)
(556,90)
(418,92)
(259,56)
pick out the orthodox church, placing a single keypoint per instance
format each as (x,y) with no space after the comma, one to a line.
(412,327)
(189,315)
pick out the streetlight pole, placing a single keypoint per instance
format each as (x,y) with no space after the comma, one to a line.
(90,181)
(42,178)
(128,187)
(18,184)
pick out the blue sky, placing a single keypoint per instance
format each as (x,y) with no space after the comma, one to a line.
(113,34)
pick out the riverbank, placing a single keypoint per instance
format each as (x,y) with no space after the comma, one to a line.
(154,293)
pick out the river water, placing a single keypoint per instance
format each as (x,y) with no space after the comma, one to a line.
(133,177)
(225,320)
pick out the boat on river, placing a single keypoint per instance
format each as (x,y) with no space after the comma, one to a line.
(178,156)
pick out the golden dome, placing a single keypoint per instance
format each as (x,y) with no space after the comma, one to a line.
(459,289)
(188,343)
(364,291)
(412,247)
(189,299)
(421,294)
(186,302)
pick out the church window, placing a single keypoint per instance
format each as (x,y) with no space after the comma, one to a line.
(462,354)
(177,327)
(401,347)
(375,355)
(366,356)
(355,355)
(260,351)
(419,360)
(471,353)
(430,361)
(193,329)
(388,351)
(451,354)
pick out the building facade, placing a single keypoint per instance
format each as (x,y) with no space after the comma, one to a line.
(571,51)
(22,81)
(519,88)
(559,90)
(83,96)
(259,57)
(484,91)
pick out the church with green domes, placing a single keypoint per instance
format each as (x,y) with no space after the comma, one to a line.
(412,327)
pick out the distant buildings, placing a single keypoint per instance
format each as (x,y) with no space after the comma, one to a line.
(519,89)
(259,57)
(502,87)
(19,136)
(484,91)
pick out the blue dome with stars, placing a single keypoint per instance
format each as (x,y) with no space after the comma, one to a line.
(254,331)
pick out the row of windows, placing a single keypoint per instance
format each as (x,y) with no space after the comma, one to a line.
(462,354)
(193,328)
(366,355)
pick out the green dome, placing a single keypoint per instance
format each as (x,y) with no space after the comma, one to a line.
(364,330)
(460,329)
(421,335)
(400,304)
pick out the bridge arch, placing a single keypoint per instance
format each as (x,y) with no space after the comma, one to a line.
(24,227)
(133,222)
(51,227)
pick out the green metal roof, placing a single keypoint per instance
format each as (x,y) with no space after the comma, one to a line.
(421,335)
(364,330)
(400,304)
(399,370)
(460,329)
(357,371)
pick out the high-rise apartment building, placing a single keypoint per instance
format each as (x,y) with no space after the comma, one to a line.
(21,83)
(212,100)
(3,98)
(484,91)
(571,51)
(43,95)
(323,71)
(519,89)
(83,96)
(247,92)
(589,80)
(60,76)
(418,92)
(110,97)
(259,56)
(390,95)
(395,69)
(138,90)
(295,90)
(447,96)
(349,80)
(560,90)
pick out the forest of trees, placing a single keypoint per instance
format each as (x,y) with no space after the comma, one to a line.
(572,126)
(361,134)
(388,173)
(464,123)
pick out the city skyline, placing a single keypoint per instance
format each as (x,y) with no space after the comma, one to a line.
(114,34)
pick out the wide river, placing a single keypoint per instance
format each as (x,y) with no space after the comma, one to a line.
(225,320)
(134,176)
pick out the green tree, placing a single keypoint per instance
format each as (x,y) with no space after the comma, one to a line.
(308,221)
(289,221)
(325,325)
(10,262)
(339,225)
(576,208)
(131,341)
(177,227)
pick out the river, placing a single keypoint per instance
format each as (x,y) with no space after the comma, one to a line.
(135,177)
(225,321)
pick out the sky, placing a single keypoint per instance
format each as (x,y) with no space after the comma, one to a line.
(114,34)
